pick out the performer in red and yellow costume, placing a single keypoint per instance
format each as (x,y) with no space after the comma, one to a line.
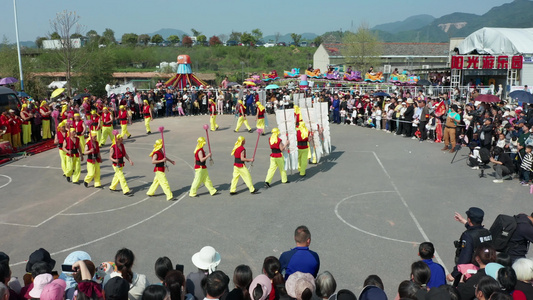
(241,109)
(159,159)
(147,114)
(117,154)
(96,125)
(302,135)
(201,175)
(92,150)
(276,158)
(239,167)
(123,118)
(26,116)
(45,112)
(213,114)
(74,152)
(107,126)
(80,129)
(260,124)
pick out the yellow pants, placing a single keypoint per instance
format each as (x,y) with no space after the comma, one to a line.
(245,174)
(98,135)
(276,162)
(119,177)
(107,132)
(201,176)
(213,121)
(260,124)
(82,142)
(26,133)
(15,140)
(73,168)
(7,137)
(125,132)
(93,172)
(63,158)
(160,179)
(46,130)
(302,160)
(239,124)
(147,124)
(312,155)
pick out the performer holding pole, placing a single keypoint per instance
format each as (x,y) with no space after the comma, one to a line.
(260,118)
(117,154)
(259,131)
(147,113)
(302,134)
(208,144)
(96,125)
(80,129)
(75,153)
(123,119)
(276,158)
(312,148)
(45,113)
(287,135)
(92,150)
(242,117)
(201,175)
(159,159)
(61,135)
(239,167)
(107,128)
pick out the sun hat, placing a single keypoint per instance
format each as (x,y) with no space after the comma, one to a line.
(55,290)
(264,282)
(40,255)
(206,259)
(298,282)
(491,269)
(39,282)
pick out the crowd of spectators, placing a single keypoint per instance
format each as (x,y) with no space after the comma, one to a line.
(295,275)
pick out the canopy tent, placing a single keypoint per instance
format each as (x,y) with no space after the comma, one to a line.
(506,41)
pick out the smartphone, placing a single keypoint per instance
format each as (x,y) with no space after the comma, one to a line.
(66,268)
(179,268)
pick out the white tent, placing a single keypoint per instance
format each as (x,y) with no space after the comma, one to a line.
(57,84)
(495,41)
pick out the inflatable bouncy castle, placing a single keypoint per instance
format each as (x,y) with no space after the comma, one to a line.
(184,76)
(273,75)
(292,74)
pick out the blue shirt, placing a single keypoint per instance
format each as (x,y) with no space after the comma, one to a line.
(438,276)
(299,259)
(168,97)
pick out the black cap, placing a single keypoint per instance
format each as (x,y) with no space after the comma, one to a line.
(116,288)
(346,295)
(475,214)
(40,255)
(4,258)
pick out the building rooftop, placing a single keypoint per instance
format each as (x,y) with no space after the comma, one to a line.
(399,49)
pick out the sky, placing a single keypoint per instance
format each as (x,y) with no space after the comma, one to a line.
(214,17)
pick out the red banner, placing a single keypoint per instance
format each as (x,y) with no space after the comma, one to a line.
(486,62)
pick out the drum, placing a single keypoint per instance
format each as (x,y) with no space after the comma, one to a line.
(5,148)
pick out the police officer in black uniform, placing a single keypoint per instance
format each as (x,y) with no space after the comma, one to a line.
(474,235)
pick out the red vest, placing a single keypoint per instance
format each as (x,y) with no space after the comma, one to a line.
(146,111)
(302,143)
(4,121)
(197,163)
(160,166)
(79,126)
(213,108)
(74,147)
(261,114)
(275,148)
(60,139)
(106,118)
(95,121)
(238,162)
(93,157)
(119,153)
(123,117)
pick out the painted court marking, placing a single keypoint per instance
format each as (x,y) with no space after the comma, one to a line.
(413,217)
(9,180)
(107,210)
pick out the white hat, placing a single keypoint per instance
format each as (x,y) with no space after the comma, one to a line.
(207,259)
(410,101)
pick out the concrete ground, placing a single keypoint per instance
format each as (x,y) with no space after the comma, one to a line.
(368,205)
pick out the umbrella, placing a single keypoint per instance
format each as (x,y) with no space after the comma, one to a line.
(81,96)
(57,92)
(8,80)
(522,96)
(423,82)
(487,98)
(249,83)
(381,94)
(23,95)
(233,84)
(272,87)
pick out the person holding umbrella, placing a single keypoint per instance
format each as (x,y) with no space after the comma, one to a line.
(200,169)
(159,159)
(117,154)
(239,167)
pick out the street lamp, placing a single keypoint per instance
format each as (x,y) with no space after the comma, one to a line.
(18,46)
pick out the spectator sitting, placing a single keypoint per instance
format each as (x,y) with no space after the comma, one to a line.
(523,268)
(300,258)
(242,277)
(426,251)
(55,290)
(124,261)
(116,288)
(163,265)
(272,269)
(156,292)
(86,289)
(408,290)
(300,286)
(216,285)
(484,255)
(325,285)
(206,260)
(373,289)
(175,283)
(503,165)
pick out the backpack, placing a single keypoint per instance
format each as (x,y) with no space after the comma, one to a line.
(502,229)
(484,155)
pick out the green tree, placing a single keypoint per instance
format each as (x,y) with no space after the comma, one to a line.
(39,42)
(235,36)
(109,34)
(214,41)
(361,49)
(277,36)
(129,38)
(76,36)
(186,41)
(55,36)
(157,38)
(257,34)
(174,39)
(143,39)
(317,41)
(92,36)
(296,38)
(201,39)
(97,73)
(195,32)
(247,38)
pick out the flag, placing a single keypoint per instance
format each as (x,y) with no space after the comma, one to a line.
(440,109)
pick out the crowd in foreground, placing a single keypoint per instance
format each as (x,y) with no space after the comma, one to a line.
(480,273)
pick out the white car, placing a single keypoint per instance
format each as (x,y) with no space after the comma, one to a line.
(269,45)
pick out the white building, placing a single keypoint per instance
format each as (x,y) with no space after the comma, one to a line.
(58,44)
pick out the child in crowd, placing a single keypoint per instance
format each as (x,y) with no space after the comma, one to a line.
(377,117)
(525,167)
(501,141)
(431,125)
(343,116)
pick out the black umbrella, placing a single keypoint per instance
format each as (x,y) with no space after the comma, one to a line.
(81,96)
(381,94)
(522,96)
(423,82)
(231,84)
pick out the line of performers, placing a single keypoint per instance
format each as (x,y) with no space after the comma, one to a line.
(73,148)
(240,110)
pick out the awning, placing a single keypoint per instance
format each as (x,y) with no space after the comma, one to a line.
(57,84)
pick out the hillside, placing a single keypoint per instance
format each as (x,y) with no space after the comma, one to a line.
(411,23)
